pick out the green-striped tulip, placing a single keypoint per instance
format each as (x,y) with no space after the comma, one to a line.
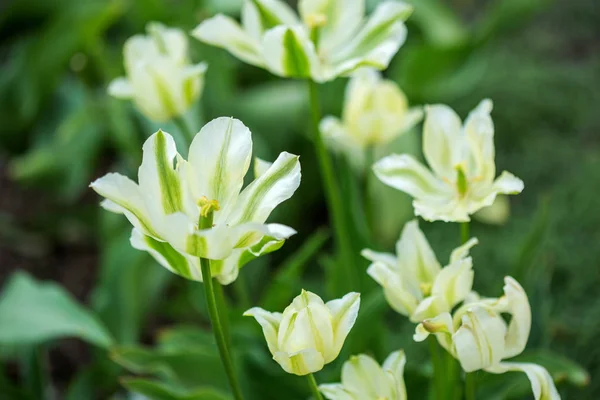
(160,79)
(462,160)
(413,281)
(479,338)
(329,38)
(364,379)
(169,205)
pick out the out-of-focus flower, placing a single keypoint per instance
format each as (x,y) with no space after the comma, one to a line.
(172,205)
(160,79)
(479,338)
(329,38)
(309,333)
(375,112)
(413,281)
(497,213)
(364,379)
(462,160)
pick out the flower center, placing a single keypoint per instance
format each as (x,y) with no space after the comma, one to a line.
(207,209)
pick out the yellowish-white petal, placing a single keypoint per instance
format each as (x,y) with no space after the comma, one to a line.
(289,52)
(270,325)
(301,363)
(365,379)
(399,297)
(507,183)
(497,213)
(336,391)
(344,312)
(121,88)
(463,250)
(520,323)
(444,144)
(258,16)
(542,384)
(479,133)
(394,364)
(415,255)
(226,33)
(260,167)
(454,282)
(441,326)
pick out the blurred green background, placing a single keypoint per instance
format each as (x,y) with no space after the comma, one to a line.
(111,312)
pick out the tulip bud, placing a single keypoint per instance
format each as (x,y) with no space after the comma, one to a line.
(363,378)
(309,333)
(160,80)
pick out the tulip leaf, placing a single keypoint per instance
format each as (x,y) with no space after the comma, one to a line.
(156,390)
(32,312)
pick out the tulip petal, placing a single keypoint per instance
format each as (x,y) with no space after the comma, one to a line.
(405,173)
(260,167)
(124,196)
(121,88)
(288,52)
(365,379)
(162,187)
(542,384)
(220,156)
(444,144)
(441,326)
(173,260)
(394,364)
(415,255)
(344,312)
(400,298)
(215,243)
(463,251)
(388,259)
(270,324)
(479,132)
(277,184)
(226,33)
(519,326)
(335,391)
(374,44)
(479,342)
(454,282)
(258,16)
(507,183)
(430,307)
(193,82)
(301,363)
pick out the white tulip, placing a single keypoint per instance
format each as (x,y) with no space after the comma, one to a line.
(170,205)
(364,379)
(479,338)
(160,79)
(375,112)
(462,160)
(413,281)
(309,333)
(329,38)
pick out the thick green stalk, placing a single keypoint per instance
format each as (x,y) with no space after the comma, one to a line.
(215,319)
(367,201)
(312,382)
(464,232)
(333,195)
(470,386)
(438,369)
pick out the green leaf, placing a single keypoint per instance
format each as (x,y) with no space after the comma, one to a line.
(33,313)
(441,26)
(159,391)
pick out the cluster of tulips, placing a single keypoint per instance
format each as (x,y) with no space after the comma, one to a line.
(197,220)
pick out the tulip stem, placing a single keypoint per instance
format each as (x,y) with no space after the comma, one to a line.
(312,382)
(335,205)
(213,312)
(470,386)
(464,232)
(368,204)
(184,129)
(438,370)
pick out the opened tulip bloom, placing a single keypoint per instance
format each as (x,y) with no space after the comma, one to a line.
(375,112)
(413,281)
(462,160)
(160,79)
(479,338)
(309,333)
(364,379)
(329,38)
(182,210)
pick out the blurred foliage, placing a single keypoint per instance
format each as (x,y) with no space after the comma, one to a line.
(537,59)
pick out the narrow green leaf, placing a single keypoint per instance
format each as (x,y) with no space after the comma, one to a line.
(156,390)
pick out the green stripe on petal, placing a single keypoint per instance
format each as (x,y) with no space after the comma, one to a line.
(170,187)
(288,51)
(277,184)
(295,61)
(176,261)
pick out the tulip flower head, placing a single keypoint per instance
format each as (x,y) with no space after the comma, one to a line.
(329,38)
(364,379)
(375,112)
(479,338)
(413,281)
(160,79)
(462,160)
(182,210)
(309,333)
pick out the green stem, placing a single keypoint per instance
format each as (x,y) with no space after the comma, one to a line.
(438,369)
(368,203)
(224,315)
(184,129)
(470,386)
(34,371)
(312,382)
(464,232)
(333,195)
(213,312)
